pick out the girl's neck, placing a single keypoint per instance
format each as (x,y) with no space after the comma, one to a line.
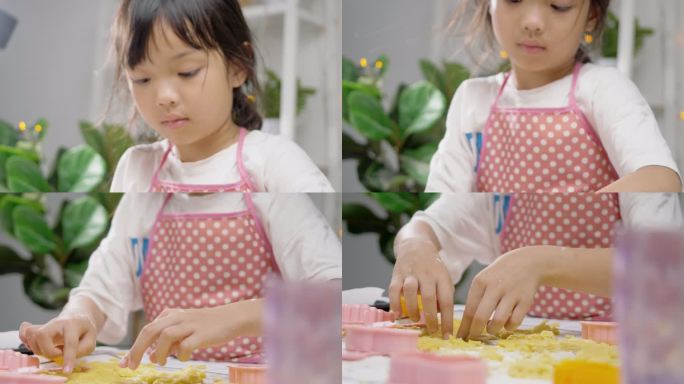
(204,148)
(524,79)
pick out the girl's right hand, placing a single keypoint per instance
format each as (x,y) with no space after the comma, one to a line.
(67,336)
(419,269)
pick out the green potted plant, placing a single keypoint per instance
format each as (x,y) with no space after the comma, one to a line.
(54,256)
(271,101)
(608,47)
(398,208)
(393,147)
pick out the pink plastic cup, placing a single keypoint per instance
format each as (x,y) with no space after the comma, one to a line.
(420,367)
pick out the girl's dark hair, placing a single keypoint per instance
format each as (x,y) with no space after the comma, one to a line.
(479,32)
(201,24)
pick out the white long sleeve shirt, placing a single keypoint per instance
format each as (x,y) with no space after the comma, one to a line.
(467,224)
(613,105)
(274,164)
(304,246)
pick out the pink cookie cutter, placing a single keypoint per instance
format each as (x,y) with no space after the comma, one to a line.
(420,367)
(16,368)
(246,373)
(363,341)
(29,378)
(600,331)
(364,314)
(12,361)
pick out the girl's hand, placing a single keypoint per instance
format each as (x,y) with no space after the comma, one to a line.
(181,331)
(68,336)
(505,288)
(420,269)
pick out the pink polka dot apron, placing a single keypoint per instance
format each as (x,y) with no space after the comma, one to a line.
(552,161)
(199,260)
(244,185)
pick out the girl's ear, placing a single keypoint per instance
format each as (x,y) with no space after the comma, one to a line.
(592,19)
(236,76)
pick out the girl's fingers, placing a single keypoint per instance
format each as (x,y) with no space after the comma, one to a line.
(70,348)
(472,301)
(445,297)
(410,291)
(501,315)
(394,293)
(484,312)
(45,340)
(146,338)
(428,294)
(517,316)
(167,338)
(187,346)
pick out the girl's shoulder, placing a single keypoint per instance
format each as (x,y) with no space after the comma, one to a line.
(268,145)
(480,87)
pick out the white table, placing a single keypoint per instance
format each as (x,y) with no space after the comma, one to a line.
(10,340)
(375,370)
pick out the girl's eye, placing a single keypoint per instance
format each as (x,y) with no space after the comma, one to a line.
(514,1)
(141,81)
(189,74)
(561,8)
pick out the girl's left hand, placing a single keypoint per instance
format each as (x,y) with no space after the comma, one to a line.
(181,331)
(505,288)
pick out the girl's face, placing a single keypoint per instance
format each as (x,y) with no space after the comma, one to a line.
(541,35)
(184,94)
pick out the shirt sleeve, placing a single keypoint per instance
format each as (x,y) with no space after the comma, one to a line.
(652,210)
(452,168)
(109,280)
(464,228)
(304,244)
(625,124)
(289,169)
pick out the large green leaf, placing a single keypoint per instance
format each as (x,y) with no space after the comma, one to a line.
(349,70)
(420,106)
(80,169)
(377,177)
(116,140)
(416,162)
(454,75)
(24,175)
(368,117)
(361,219)
(425,199)
(396,202)
(44,292)
(348,87)
(73,273)
(8,138)
(84,220)
(32,230)
(11,262)
(432,74)
(93,137)
(7,205)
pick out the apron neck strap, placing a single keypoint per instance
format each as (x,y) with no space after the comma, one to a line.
(571,95)
(573,89)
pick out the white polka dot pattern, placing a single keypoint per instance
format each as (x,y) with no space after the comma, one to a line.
(553,162)
(206,261)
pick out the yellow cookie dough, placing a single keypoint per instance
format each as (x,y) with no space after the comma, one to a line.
(109,372)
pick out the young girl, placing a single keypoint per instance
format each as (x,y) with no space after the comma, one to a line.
(197,272)
(554,124)
(190,67)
